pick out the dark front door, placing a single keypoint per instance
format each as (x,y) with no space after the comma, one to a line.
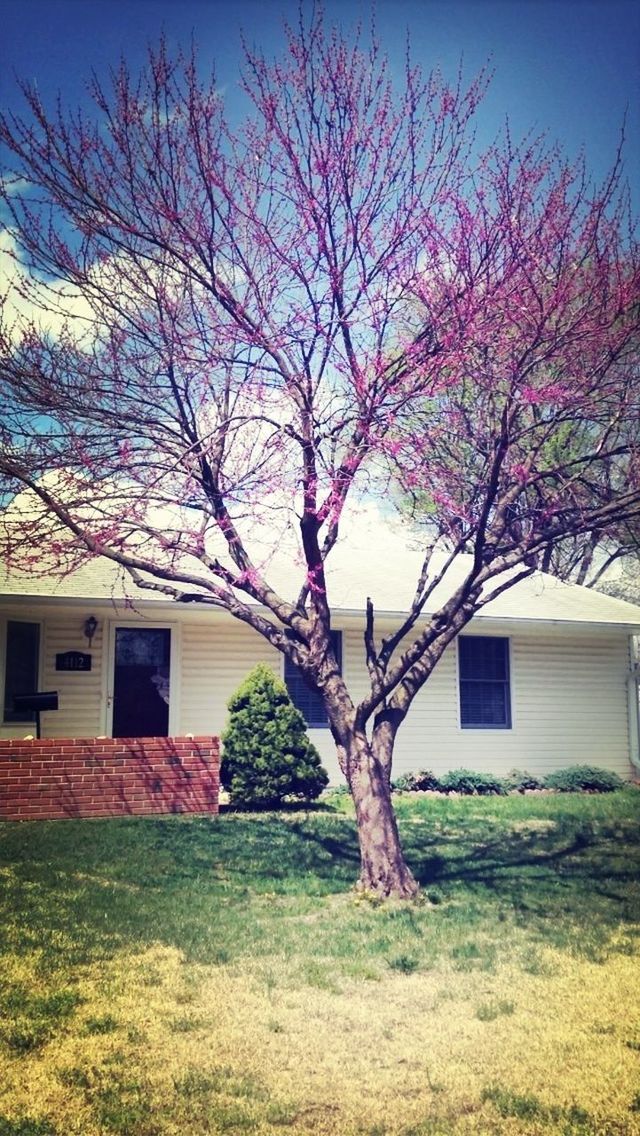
(141,682)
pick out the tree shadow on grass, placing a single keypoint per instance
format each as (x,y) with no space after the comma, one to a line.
(82,890)
(79,891)
(577,875)
(567,886)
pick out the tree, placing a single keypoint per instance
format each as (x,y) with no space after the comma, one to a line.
(267,755)
(250,327)
(589,559)
(606,558)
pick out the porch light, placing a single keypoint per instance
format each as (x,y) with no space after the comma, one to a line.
(90,627)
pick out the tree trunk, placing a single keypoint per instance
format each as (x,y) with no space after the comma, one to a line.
(383,871)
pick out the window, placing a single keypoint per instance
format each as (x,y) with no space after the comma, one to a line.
(21,667)
(485,700)
(308,701)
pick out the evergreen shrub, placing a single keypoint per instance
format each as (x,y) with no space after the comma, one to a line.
(267,756)
(581,778)
(416,782)
(521,779)
(469,782)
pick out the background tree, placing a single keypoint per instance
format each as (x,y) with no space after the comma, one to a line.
(605,558)
(237,330)
(608,562)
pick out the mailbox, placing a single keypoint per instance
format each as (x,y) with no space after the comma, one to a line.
(35,703)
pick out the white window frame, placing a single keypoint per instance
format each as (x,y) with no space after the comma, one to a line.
(509,727)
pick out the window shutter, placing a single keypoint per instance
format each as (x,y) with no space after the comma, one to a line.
(308,701)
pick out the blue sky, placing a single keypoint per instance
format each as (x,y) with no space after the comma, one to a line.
(570,66)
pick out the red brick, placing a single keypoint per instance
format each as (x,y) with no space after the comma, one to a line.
(65,777)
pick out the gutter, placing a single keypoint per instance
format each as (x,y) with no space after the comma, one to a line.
(633,691)
(133,605)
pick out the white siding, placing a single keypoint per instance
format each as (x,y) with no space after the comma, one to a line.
(568,693)
(216,657)
(79,713)
(568,700)
(80,699)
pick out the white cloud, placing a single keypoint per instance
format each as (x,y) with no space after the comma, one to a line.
(13,185)
(30,299)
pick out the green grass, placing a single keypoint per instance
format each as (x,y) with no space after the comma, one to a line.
(158,972)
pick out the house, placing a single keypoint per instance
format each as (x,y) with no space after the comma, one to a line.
(544,677)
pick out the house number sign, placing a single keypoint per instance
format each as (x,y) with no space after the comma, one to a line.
(73,661)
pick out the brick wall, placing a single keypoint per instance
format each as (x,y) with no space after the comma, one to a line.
(90,777)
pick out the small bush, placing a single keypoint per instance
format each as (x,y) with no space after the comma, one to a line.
(583,778)
(403,783)
(469,782)
(267,755)
(416,782)
(521,779)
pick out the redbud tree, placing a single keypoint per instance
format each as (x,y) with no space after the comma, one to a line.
(218,330)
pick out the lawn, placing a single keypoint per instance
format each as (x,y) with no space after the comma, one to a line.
(218,975)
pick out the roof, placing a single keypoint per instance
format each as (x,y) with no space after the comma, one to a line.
(375,561)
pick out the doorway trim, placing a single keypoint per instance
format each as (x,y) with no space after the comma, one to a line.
(174,668)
